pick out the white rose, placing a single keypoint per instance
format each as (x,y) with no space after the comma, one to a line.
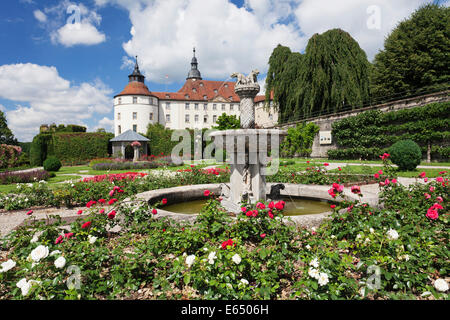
(8,265)
(244,281)
(21,283)
(190,260)
(92,239)
(358,236)
(371,230)
(25,288)
(314,263)
(308,247)
(39,253)
(392,234)
(211,257)
(60,262)
(236,258)
(323,279)
(313,273)
(54,252)
(441,285)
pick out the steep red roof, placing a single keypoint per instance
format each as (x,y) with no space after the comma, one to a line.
(260,98)
(202,90)
(135,88)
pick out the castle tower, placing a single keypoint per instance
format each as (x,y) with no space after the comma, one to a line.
(135,107)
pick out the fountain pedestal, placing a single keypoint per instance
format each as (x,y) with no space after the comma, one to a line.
(247,149)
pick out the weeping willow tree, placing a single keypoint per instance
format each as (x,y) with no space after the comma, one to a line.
(331,75)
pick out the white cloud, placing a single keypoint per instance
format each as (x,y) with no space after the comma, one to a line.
(2,108)
(354,16)
(77,34)
(71,24)
(50,98)
(227,38)
(40,16)
(105,123)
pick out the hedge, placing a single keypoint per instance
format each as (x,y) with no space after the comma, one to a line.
(70,148)
(369,134)
(9,155)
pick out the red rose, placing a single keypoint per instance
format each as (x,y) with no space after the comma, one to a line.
(86,225)
(271,205)
(279,205)
(112,214)
(154,211)
(333,206)
(29,212)
(263,235)
(68,235)
(80,212)
(102,211)
(101,201)
(111,202)
(59,239)
(164,201)
(207,193)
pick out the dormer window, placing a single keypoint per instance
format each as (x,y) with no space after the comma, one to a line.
(215,91)
(226,85)
(167,96)
(186,96)
(201,84)
(194,90)
(120,100)
(205,97)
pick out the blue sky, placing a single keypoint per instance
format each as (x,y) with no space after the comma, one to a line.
(52,73)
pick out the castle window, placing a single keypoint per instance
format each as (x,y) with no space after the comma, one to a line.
(119,129)
(214,118)
(223,107)
(214,106)
(120,100)
(135,127)
(205,106)
(231,107)
(151,116)
(187,106)
(196,118)
(134,100)
(167,105)
(118,116)
(186,118)
(167,117)
(134,115)
(196,106)
(205,119)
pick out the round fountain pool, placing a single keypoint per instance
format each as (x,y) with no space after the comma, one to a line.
(294,206)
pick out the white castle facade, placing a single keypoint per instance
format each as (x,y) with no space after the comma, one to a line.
(197,105)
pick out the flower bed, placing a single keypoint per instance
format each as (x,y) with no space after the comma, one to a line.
(398,252)
(23,177)
(112,164)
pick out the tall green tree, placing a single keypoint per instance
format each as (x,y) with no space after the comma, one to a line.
(416,54)
(225,122)
(6,136)
(333,73)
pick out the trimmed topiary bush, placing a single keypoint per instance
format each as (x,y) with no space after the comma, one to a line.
(52,164)
(406,154)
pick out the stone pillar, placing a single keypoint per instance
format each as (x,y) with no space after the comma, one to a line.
(247,95)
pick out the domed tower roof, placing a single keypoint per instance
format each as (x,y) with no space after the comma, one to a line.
(136,84)
(194,73)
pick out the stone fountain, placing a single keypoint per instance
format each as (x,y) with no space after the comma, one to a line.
(248,149)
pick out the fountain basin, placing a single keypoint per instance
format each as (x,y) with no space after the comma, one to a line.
(185,194)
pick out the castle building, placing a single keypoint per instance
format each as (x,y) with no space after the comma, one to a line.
(197,105)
